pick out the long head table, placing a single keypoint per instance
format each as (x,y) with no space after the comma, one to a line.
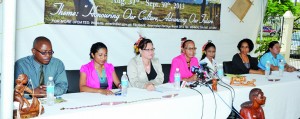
(283,102)
(143,104)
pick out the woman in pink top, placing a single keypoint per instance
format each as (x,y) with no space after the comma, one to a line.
(184,62)
(98,76)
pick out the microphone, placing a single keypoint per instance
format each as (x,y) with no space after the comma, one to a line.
(203,66)
(202,73)
(210,75)
(195,69)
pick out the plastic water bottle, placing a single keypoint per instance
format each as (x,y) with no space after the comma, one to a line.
(50,91)
(124,84)
(220,71)
(177,79)
(281,67)
(268,69)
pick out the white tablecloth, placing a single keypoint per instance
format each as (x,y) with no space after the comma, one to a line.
(187,105)
(283,102)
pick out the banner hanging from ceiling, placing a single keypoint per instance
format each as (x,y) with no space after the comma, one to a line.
(170,14)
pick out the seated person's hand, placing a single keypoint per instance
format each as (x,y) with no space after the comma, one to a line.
(106,92)
(40,91)
(262,72)
(150,87)
(291,69)
(194,77)
(120,86)
(191,79)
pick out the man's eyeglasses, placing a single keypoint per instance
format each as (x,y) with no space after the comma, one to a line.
(44,53)
(148,50)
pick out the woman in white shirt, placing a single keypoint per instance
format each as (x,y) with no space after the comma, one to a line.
(208,55)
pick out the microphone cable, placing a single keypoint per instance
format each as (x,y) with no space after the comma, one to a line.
(202,100)
(214,98)
(232,107)
(232,91)
(229,106)
(231,88)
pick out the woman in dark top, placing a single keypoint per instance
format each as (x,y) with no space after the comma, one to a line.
(244,63)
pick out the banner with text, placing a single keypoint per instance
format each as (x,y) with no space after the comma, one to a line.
(173,14)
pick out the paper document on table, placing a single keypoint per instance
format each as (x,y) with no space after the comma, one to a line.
(164,89)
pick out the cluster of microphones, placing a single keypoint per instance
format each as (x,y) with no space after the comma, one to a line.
(203,74)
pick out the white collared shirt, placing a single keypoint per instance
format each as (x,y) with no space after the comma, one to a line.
(213,66)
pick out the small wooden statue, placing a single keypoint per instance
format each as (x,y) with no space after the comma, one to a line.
(214,84)
(33,109)
(252,109)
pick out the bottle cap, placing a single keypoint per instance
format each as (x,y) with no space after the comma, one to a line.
(124,72)
(177,69)
(50,78)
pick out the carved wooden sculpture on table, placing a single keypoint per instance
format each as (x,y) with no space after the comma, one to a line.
(33,109)
(241,81)
(252,109)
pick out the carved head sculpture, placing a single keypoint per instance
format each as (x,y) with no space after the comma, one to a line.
(22,79)
(256,95)
(252,109)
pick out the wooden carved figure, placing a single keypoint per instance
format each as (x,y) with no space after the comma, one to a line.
(252,109)
(33,109)
(19,92)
